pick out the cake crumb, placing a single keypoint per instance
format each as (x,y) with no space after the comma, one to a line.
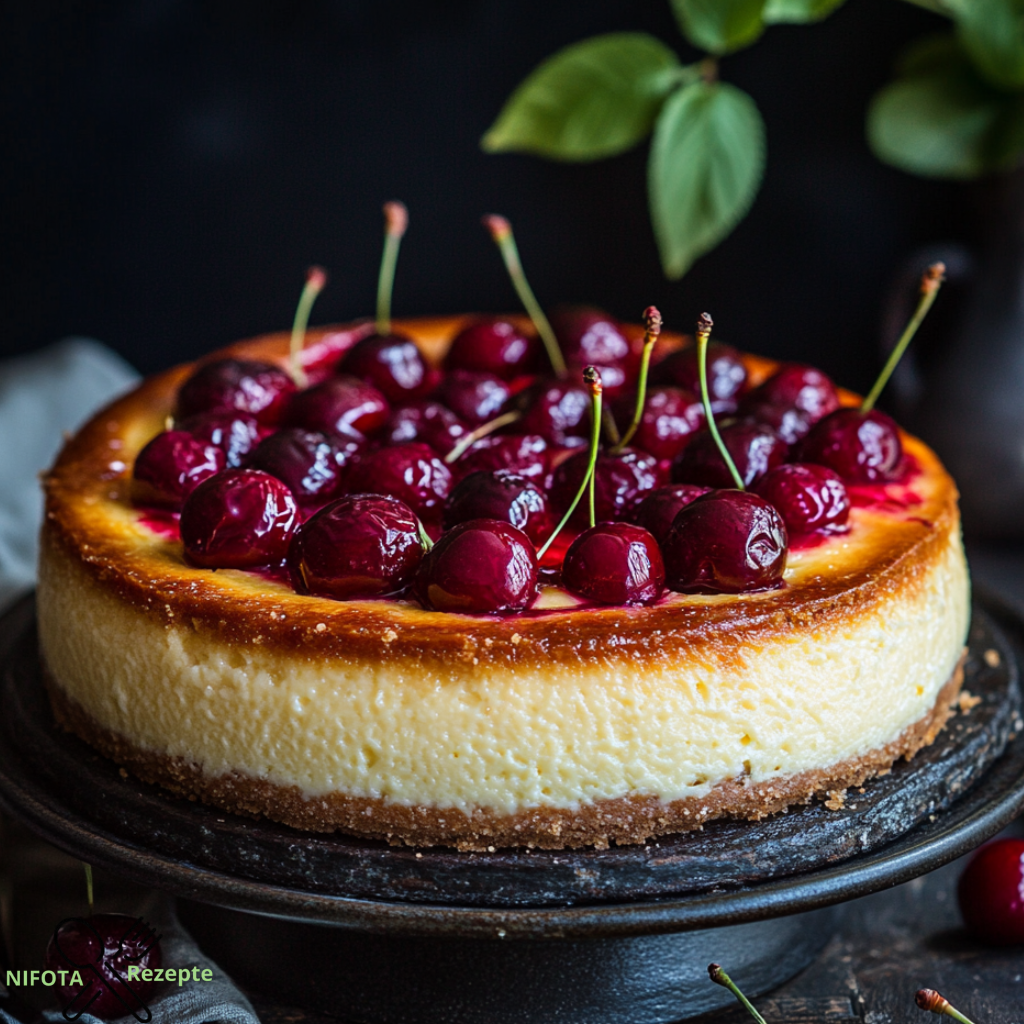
(419,856)
(321,627)
(390,636)
(515,638)
(992,658)
(966,701)
(836,799)
(491,849)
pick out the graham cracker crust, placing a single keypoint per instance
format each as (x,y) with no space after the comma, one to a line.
(625,820)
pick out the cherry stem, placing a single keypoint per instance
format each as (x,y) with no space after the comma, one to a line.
(931,281)
(592,378)
(929,999)
(704,325)
(652,328)
(88,886)
(483,430)
(396,220)
(610,427)
(719,977)
(424,536)
(316,278)
(501,232)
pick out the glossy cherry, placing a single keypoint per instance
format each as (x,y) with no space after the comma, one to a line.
(787,421)
(657,511)
(473,395)
(670,417)
(430,422)
(339,405)
(361,546)
(862,447)
(411,472)
(482,566)
(500,495)
(392,364)
(310,462)
(801,387)
(590,337)
(234,433)
(621,480)
(991,893)
(171,466)
(810,499)
(754,447)
(494,345)
(726,541)
(101,948)
(614,563)
(727,375)
(557,410)
(259,389)
(238,519)
(528,455)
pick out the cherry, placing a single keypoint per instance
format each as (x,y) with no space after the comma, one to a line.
(171,466)
(527,455)
(483,565)
(991,893)
(726,541)
(800,387)
(236,385)
(727,374)
(429,422)
(392,364)
(810,499)
(786,420)
(621,480)
(362,546)
(499,495)
(238,519)
(308,461)
(614,563)
(493,346)
(473,396)
(234,433)
(101,948)
(754,448)
(339,405)
(410,472)
(862,447)
(670,416)
(590,337)
(557,410)
(658,509)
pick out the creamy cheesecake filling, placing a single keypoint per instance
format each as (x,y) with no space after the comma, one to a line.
(505,738)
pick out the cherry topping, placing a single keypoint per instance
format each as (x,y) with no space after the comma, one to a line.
(101,948)
(991,893)
(499,495)
(410,472)
(726,541)
(727,374)
(236,385)
(493,346)
(670,416)
(391,363)
(786,420)
(171,466)
(474,396)
(235,434)
(557,410)
(238,519)
(528,455)
(801,387)
(483,565)
(590,337)
(810,499)
(429,422)
(621,480)
(339,405)
(308,461)
(614,563)
(657,511)
(862,447)
(754,448)
(365,545)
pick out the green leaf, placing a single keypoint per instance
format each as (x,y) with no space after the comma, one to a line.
(992,32)
(706,164)
(940,119)
(798,11)
(590,100)
(720,26)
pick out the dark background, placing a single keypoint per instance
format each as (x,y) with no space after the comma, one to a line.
(171,167)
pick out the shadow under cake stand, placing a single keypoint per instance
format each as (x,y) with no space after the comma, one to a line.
(376,934)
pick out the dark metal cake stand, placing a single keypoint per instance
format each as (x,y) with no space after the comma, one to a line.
(383,934)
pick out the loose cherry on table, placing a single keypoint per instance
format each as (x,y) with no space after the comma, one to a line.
(614,563)
(726,541)
(310,462)
(621,480)
(556,410)
(360,546)
(473,395)
(171,466)
(727,374)
(101,948)
(862,447)
(657,511)
(430,422)
(527,455)
(754,447)
(339,405)
(496,346)
(811,499)
(234,433)
(500,495)
(238,519)
(669,419)
(482,566)
(411,472)
(991,893)
(259,389)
